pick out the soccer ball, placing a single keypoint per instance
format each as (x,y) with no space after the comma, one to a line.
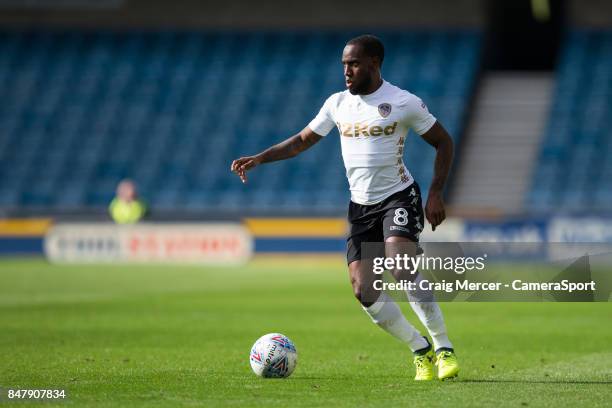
(273,356)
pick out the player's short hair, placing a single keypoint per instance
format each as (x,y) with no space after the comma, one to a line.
(370,44)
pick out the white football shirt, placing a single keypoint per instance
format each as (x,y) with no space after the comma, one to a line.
(373,129)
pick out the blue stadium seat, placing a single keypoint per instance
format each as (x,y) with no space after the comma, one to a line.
(81,110)
(572,171)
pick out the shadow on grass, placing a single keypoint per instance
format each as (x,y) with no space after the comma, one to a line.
(536,381)
(462,380)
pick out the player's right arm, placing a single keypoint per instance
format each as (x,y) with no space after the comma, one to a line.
(284,150)
(320,126)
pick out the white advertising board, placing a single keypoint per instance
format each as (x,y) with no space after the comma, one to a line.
(143,243)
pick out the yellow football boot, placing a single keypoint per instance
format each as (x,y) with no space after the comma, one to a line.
(447,364)
(424,364)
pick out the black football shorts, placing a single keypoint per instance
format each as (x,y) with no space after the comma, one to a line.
(400,214)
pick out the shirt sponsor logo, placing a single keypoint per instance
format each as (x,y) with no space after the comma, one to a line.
(362,129)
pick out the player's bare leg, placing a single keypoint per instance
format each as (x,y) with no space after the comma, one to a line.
(426,308)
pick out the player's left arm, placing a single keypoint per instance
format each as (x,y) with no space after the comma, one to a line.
(439,138)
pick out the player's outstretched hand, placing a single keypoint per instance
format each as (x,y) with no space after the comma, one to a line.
(434,210)
(242,165)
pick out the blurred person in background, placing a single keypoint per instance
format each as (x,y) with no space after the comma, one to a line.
(126,207)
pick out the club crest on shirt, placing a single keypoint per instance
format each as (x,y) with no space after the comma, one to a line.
(384,109)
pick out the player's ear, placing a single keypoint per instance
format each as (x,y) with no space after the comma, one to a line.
(376,61)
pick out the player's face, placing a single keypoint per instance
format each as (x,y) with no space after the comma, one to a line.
(358,69)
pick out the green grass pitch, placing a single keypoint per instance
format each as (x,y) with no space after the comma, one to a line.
(180,336)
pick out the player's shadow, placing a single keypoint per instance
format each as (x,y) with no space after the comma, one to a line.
(603,382)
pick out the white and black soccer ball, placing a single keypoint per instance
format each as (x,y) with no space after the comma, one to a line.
(273,356)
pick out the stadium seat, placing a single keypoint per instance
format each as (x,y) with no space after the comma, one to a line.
(171,110)
(572,173)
